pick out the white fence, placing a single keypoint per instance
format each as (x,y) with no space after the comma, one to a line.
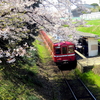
(91,16)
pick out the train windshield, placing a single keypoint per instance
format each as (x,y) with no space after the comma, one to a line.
(64,50)
(57,50)
(71,49)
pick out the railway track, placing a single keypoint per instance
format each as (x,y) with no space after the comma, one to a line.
(78,89)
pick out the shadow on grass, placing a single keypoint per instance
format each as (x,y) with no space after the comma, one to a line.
(21,76)
(18,76)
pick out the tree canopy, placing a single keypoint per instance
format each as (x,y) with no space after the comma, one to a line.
(21,20)
(94,5)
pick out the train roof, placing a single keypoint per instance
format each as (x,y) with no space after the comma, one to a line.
(53,39)
(57,40)
(63,43)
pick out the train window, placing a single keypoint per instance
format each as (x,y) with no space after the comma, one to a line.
(57,51)
(64,50)
(70,50)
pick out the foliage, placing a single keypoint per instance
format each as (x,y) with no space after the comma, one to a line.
(94,5)
(95,8)
(17,81)
(10,91)
(30,58)
(16,33)
(90,79)
(42,51)
(21,21)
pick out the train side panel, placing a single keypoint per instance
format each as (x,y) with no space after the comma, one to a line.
(48,42)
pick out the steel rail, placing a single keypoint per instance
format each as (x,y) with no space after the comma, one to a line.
(92,96)
(70,88)
(87,90)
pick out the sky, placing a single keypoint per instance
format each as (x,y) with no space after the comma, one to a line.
(88,2)
(91,1)
(83,1)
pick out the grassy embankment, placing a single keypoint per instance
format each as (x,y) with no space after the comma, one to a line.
(43,53)
(91,80)
(19,80)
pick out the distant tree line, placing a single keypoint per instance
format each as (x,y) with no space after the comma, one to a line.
(96,7)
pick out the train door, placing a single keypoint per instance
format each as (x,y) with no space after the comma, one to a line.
(64,50)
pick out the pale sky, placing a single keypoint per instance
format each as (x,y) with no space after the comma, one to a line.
(88,2)
(83,1)
(91,1)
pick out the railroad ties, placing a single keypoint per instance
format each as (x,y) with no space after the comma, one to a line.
(78,89)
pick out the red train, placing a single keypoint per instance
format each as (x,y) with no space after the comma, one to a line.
(62,52)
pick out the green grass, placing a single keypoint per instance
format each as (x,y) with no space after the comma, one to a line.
(8,91)
(16,86)
(93,22)
(95,29)
(65,25)
(19,80)
(42,51)
(91,78)
(92,81)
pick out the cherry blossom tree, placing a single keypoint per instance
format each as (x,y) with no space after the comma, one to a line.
(21,20)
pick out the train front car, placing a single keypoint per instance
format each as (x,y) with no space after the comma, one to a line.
(64,53)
